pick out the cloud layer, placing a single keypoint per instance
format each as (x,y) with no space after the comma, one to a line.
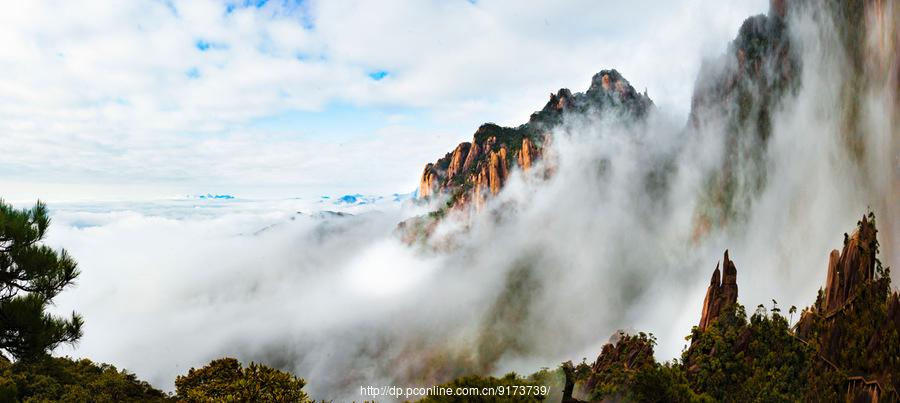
(545,274)
(169,95)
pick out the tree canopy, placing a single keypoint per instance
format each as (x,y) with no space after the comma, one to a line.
(31,275)
(226,380)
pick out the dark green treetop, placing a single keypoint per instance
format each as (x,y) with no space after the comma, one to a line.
(31,275)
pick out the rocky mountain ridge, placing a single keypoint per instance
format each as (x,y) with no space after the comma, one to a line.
(476,170)
(846,346)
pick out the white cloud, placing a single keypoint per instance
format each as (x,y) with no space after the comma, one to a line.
(343,304)
(101,92)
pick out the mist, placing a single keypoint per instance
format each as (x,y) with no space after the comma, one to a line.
(544,273)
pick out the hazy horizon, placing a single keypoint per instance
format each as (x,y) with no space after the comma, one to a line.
(271,99)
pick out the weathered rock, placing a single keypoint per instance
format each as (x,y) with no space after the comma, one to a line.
(720,294)
(497,170)
(471,157)
(847,269)
(476,170)
(429,182)
(527,154)
(457,160)
(894,310)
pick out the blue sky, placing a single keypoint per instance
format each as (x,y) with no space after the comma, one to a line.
(151,98)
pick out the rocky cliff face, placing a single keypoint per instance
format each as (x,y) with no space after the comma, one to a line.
(734,96)
(846,346)
(467,177)
(850,268)
(855,323)
(477,170)
(850,336)
(763,67)
(721,294)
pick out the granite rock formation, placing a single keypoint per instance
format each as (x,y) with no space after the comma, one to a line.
(855,323)
(851,267)
(476,170)
(846,346)
(721,293)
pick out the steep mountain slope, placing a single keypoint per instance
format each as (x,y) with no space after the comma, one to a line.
(735,99)
(737,95)
(467,177)
(734,96)
(475,170)
(809,71)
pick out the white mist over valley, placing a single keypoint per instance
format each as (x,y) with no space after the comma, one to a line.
(546,271)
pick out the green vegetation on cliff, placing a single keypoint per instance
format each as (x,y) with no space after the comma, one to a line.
(845,346)
(226,380)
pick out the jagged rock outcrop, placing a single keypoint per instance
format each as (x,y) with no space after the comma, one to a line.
(845,347)
(428,183)
(479,169)
(742,86)
(847,344)
(720,294)
(855,323)
(475,171)
(851,267)
(528,154)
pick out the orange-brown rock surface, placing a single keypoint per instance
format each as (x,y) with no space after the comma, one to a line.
(428,183)
(477,170)
(527,154)
(722,292)
(457,159)
(847,269)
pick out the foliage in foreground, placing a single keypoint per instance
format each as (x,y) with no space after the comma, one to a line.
(63,379)
(225,380)
(31,275)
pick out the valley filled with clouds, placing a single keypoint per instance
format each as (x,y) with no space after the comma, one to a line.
(245,179)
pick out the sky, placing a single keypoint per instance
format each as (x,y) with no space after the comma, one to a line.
(153,98)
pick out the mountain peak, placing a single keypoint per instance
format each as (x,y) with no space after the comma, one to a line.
(477,169)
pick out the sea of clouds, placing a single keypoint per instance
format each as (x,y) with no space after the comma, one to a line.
(545,273)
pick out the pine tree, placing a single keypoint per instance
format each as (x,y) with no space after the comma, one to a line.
(31,275)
